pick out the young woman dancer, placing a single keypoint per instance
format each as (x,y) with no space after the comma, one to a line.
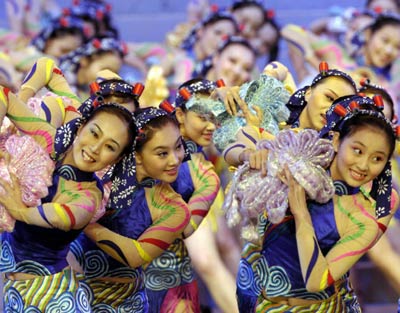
(303,261)
(143,217)
(35,253)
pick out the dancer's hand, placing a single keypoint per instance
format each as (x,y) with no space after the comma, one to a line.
(258,160)
(230,97)
(296,196)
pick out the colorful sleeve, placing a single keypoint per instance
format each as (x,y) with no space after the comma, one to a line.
(25,120)
(359,231)
(170,216)
(146,50)
(246,139)
(72,208)
(206,184)
(45,73)
(333,53)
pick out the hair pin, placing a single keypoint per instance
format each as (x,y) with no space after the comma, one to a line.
(340,110)
(364,81)
(166,106)
(185,93)
(323,68)
(353,105)
(220,83)
(378,100)
(138,89)
(94,88)
(270,14)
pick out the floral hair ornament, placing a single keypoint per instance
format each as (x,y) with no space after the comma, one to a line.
(67,23)
(337,116)
(304,154)
(297,101)
(94,10)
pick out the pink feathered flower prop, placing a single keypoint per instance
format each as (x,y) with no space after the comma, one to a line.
(32,166)
(306,156)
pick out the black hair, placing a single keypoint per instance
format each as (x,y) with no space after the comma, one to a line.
(383,20)
(396,2)
(148,131)
(274,51)
(240,4)
(385,95)
(235,40)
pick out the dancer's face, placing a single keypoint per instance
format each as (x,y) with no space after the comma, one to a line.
(360,156)
(99,143)
(320,97)
(234,64)
(196,127)
(161,156)
(382,47)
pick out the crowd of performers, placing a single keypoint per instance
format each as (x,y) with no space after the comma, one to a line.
(209,184)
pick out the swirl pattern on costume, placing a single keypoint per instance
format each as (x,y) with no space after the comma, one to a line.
(96,264)
(186,270)
(7,260)
(135,304)
(340,187)
(33,268)
(13,301)
(65,303)
(157,279)
(245,275)
(166,260)
(67,172)
(87,291)
(275,279)
(82,301)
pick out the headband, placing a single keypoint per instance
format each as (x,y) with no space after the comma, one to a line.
(68,22)
(71,61)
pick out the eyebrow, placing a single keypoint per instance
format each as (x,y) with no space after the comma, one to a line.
(165,147)
(360,143)
(331,90)
(100,130)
